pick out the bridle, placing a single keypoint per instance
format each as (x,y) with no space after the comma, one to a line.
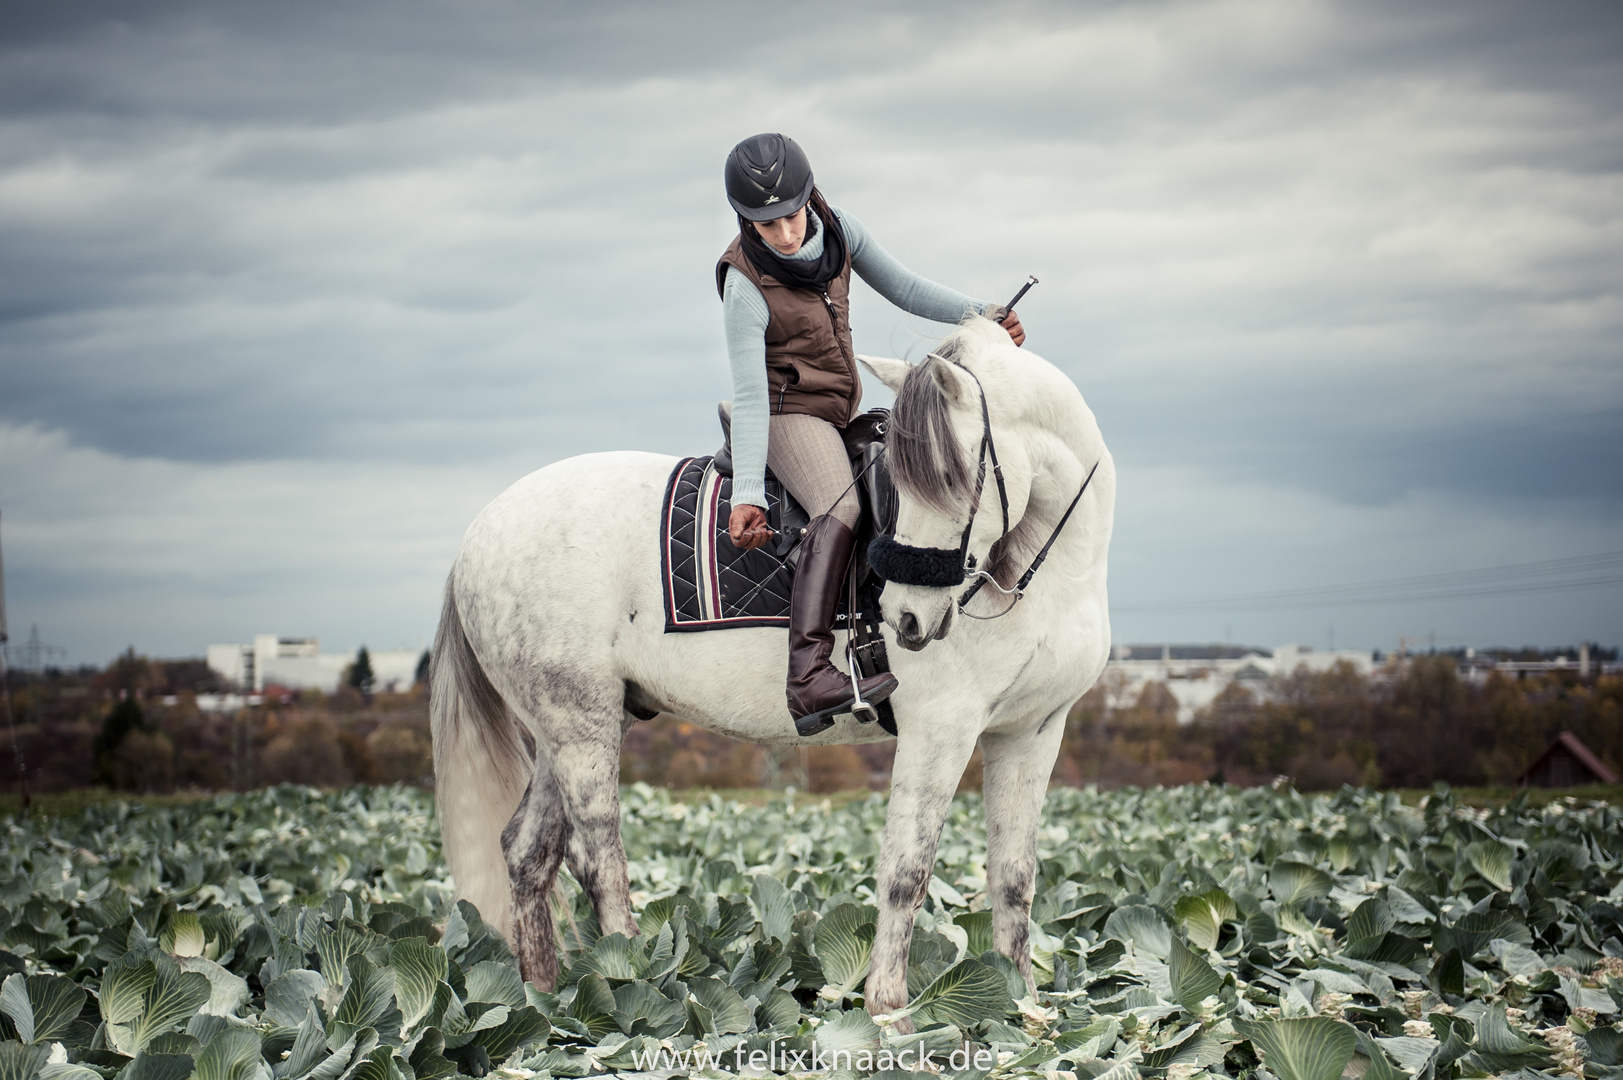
(902,563)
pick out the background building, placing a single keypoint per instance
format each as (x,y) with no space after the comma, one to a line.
(299,664)
(1196,674)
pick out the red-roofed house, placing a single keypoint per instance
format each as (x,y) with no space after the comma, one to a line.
(1567,763)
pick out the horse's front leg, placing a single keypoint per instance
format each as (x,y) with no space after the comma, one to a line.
(1015,781)
(931,753)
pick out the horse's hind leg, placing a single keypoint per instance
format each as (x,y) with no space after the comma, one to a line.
(571,808)
(579,729)
(587,771)
(1015,782)
(533,843)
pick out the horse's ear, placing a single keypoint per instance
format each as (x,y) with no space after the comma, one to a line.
(886,370)
(947,377)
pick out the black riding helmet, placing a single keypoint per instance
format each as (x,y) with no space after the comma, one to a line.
(768,177)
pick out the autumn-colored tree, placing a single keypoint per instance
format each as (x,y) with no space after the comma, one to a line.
(129,675)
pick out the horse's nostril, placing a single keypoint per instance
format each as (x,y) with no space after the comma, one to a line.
(909,625)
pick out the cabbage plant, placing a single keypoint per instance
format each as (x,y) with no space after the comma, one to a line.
(295,934)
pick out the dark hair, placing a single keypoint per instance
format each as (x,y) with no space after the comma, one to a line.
(746,227)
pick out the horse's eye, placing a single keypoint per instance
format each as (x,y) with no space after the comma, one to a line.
(946,479)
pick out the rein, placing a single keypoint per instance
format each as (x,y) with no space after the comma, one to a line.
(987,447)
(1019,590)
(942,567)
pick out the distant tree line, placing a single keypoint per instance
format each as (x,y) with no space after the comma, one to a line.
(135,726)
(1408,725)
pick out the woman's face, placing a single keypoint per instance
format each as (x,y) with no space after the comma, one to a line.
(784,235)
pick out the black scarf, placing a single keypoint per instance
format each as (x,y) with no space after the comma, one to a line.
(800,273)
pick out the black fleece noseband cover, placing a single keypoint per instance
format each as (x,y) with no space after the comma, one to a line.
(935,568)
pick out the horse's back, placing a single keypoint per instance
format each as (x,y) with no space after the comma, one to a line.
(588,480)
(583,501)
(560,550)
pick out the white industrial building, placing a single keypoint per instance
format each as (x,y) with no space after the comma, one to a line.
(1196,682)
(299,664)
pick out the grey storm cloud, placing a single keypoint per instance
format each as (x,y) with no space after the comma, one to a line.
(288,291)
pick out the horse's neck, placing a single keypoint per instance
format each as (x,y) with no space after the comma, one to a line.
(1065,445)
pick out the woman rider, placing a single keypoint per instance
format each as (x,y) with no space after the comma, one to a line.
(785,288)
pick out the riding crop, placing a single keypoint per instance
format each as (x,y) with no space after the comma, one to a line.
(1030,281)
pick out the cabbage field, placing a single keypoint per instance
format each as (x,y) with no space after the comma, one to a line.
(295,934)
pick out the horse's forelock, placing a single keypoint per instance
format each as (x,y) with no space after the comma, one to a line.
(926,460)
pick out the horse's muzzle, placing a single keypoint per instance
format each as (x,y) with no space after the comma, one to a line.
(911,635)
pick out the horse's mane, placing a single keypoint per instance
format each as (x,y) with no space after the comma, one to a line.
(925,459)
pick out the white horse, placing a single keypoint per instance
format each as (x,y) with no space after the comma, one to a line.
(553,631)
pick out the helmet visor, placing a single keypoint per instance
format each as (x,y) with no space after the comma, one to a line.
(775,207)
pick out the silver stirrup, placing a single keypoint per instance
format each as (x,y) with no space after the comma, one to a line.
(861,710)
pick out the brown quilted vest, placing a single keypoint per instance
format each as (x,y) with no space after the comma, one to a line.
(811,366)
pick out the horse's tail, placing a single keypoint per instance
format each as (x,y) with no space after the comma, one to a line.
(481,767)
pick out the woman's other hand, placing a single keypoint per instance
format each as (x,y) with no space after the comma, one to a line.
(1011,323)
(747,527)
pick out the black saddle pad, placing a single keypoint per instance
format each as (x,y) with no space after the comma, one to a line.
(709,583)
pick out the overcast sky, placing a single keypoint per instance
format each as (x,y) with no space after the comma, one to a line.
(289,291)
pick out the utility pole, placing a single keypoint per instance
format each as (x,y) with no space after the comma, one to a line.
(5,696)
(36,654)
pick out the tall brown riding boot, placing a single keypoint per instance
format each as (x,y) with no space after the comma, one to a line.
(818,691)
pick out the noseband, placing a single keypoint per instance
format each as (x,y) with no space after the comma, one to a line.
(943,568)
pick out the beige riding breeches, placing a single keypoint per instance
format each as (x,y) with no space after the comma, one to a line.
(808,456)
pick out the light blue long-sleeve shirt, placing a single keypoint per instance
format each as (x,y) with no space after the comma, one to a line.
(746,317)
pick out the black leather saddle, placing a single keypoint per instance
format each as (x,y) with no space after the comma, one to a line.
(865,445)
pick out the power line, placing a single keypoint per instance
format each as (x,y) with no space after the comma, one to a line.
(1451,577)
(1576,572)
(1530,569)
(1260,604)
